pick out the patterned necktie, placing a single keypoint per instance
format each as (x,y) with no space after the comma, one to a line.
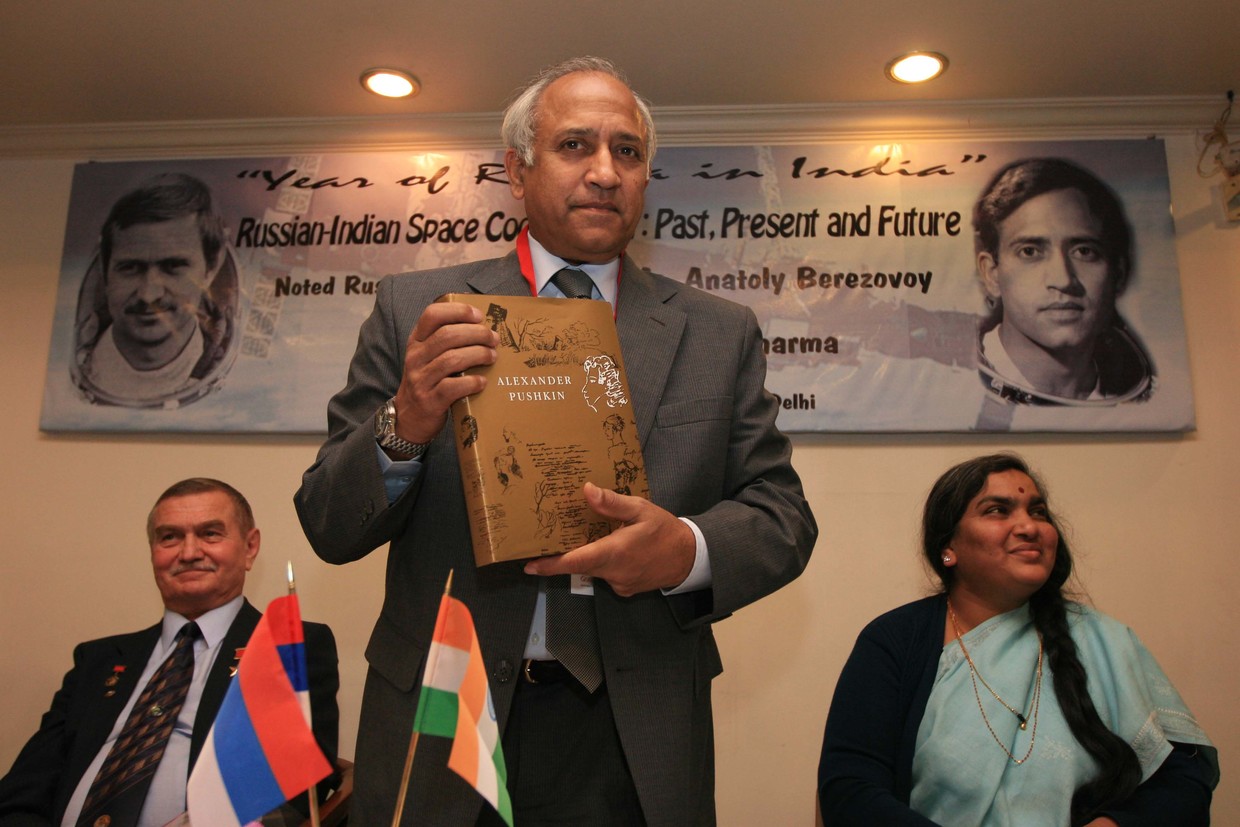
(574,283)
(572,631)
(119,789)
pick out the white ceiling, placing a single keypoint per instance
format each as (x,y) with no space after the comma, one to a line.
(121,61)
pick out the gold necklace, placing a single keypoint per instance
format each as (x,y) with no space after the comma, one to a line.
(975,676)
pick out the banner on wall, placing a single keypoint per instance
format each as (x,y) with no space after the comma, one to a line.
(878,311)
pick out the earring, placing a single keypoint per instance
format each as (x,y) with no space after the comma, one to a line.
(947,559)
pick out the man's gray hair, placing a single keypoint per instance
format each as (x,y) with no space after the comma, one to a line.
(204,485)
(521,116)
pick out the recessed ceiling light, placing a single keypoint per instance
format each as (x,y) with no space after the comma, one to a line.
(917,67)
(390,83)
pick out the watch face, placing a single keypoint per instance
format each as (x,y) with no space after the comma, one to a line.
(385,424)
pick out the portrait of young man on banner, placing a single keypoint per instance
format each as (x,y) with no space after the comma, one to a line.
(927,286)
(156,313)
(1054,252)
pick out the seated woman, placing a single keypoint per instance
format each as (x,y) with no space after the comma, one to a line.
(999,701)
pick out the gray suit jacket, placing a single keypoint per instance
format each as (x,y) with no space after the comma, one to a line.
(696,370)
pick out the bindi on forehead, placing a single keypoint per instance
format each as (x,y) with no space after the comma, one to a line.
(1021,489)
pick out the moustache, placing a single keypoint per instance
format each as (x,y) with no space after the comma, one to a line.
(143,308)
(203,566)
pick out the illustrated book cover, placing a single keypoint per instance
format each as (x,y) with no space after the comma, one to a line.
(556,413)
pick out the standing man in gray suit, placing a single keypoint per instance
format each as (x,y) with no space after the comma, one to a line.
(631,742)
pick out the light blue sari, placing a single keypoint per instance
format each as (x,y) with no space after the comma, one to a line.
(961,776)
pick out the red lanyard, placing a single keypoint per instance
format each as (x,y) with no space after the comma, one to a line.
(527,260)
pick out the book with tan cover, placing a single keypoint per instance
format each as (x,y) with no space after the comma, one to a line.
(556,412)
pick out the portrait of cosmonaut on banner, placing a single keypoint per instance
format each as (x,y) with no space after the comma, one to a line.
(937,286)
(1054,251)
(155,325)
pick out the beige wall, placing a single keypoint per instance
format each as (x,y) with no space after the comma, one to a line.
(1152,518)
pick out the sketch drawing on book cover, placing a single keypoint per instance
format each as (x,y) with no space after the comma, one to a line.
(555,414)
(468,431)
(625,459)
(507,466)
(602,383)
(602,386)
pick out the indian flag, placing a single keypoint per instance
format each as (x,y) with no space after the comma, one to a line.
(455,703)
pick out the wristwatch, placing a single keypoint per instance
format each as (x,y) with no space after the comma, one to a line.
(385,433)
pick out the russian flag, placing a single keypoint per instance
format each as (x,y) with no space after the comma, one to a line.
(261,750)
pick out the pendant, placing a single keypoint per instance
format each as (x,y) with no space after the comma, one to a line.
(1022,720)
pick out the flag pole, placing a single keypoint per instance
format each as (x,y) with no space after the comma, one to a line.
(312,794)
(413,739)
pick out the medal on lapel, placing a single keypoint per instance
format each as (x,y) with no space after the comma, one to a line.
(113,679)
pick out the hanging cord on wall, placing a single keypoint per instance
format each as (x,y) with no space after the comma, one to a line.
(1216,137)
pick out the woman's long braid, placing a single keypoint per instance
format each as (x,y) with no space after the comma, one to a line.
(1119,771)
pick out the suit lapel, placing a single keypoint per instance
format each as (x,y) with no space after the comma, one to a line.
(130,653)
(500,277)
(650,332)
(220,676)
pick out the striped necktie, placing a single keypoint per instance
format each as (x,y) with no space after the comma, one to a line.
(116,795)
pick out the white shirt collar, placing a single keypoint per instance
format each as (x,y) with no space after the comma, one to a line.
(997,355)
(112,373)
(605,275)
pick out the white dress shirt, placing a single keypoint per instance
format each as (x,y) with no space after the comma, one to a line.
(165,799)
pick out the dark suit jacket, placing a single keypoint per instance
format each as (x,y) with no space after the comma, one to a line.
(48,769)
(707,427)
